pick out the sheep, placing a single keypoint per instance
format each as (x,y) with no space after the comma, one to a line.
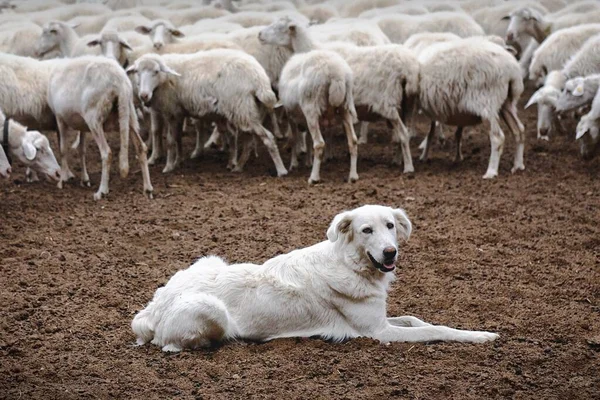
(400,27)
(125,23)
(32,6)
(255,18)
(319,13)
(421,41)
(588,130)
(315,84)
(192,15)
(356,7)
(262,7)
(361,33)
(111,45)
(67,12)
(467,81)
(81,95)
(410,9)
(57,38)
(546,98)
(90,24)
(177,85)
(578,92)
(29,147)
(209,26)
(558,48)
(5,169)
(161,32)
(20,38)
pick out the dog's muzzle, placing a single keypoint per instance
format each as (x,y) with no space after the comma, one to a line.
(387,266)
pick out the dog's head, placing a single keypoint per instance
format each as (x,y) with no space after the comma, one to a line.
(370,234)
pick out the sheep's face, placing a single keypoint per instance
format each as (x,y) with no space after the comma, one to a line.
(588,135)
(280,32)
(36,153)
(161,33)
(151,73)
(53,34)
(546,100)
(522,21)
(112,45)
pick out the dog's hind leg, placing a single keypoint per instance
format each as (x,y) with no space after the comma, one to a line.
(192,321)
(407,320)
(431,333)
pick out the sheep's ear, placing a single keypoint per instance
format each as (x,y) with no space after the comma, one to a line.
(176,33)
(123,43)
(534,99)
(511,50)
(505,18)
(131,70)
(144,30)
(29,150)
(578,90)
(95,42)
(580,132)
(403,224)
(278,105)
(292,28)
(75,25)
(169,70)
(341,224)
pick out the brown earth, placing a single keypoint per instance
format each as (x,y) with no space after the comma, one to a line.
(519,255)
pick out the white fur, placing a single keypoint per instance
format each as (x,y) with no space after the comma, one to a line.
(586,61)
(546,98)
(578,92)
(332,289)
(5,169)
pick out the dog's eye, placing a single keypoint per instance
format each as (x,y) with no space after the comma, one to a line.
(368,231)
(390,225)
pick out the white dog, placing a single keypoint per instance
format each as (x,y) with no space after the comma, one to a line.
(335,289)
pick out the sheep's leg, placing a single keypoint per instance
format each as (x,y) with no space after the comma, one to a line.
(85,178)
(156,132)
(233,149)
(352,145)
(458,144)
(77,141)
(363,137)
(328,149)
(142,155)
(269,141)
(402,138)
(173,131)
(308,158)
(312,122)
(275,123)
(31,175)
(497,145)
(105,154)
(214,139)
(509,116)
(293,140)
(65,171)
(246,150)
(426,144)
(199,126)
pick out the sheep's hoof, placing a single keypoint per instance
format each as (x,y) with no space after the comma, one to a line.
(85,183)
(352,179)
(362,140)
(59,185)
(196,154)
(149,194)
(168,168)
(490,175)
(458,159)
(314,181)
(237,169)
(544,137)
(517,168)
(409,170)
(283,173)
(99,195)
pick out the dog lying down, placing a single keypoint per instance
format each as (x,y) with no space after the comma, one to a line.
(335,289)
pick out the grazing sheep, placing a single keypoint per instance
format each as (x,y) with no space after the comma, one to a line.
(180,85)
(586,61)
(558,48)
(5,169)
(29,147)
(315,85)
(588,130)
(398,28)
(546,98)
(83,95)
(467,81)
(20,38)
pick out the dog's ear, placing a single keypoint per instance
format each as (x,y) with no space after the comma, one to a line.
(403,224)
(341,224)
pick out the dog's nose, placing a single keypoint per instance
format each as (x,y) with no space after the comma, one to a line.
(389,253)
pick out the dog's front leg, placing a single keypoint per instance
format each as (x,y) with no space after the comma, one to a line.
(431,333)
(407,321)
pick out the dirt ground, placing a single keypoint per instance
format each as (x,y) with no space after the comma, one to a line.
(519,255)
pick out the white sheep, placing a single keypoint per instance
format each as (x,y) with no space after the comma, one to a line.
(161,32)
(82,95)
(180,85)
(67,12)
(125,23)
(57,38)
(578,92)
(209,26)
(28,146)
(19,38)
(558,48)
(588,130)
(354,8)
(585,61)
(546,98)
(314,84)
(256,18)
(357,31)
(5,168)
(319,13)
(406,8)
(400,27)
(467,81)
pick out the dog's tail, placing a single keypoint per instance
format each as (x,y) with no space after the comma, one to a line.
(143,324)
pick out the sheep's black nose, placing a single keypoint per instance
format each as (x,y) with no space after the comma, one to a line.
(389,253)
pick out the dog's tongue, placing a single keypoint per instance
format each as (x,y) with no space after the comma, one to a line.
(389,266)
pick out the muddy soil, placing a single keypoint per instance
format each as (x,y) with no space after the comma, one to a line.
(519,255)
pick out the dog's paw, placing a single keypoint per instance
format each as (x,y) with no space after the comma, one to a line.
(482,337)
(171,348)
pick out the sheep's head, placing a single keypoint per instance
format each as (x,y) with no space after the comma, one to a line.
(588,135)
(161,32)
(112,45)
(522,21)
(578,92)
(53,39)
(35,152)
(280,32)
(545,98)
(151,72)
